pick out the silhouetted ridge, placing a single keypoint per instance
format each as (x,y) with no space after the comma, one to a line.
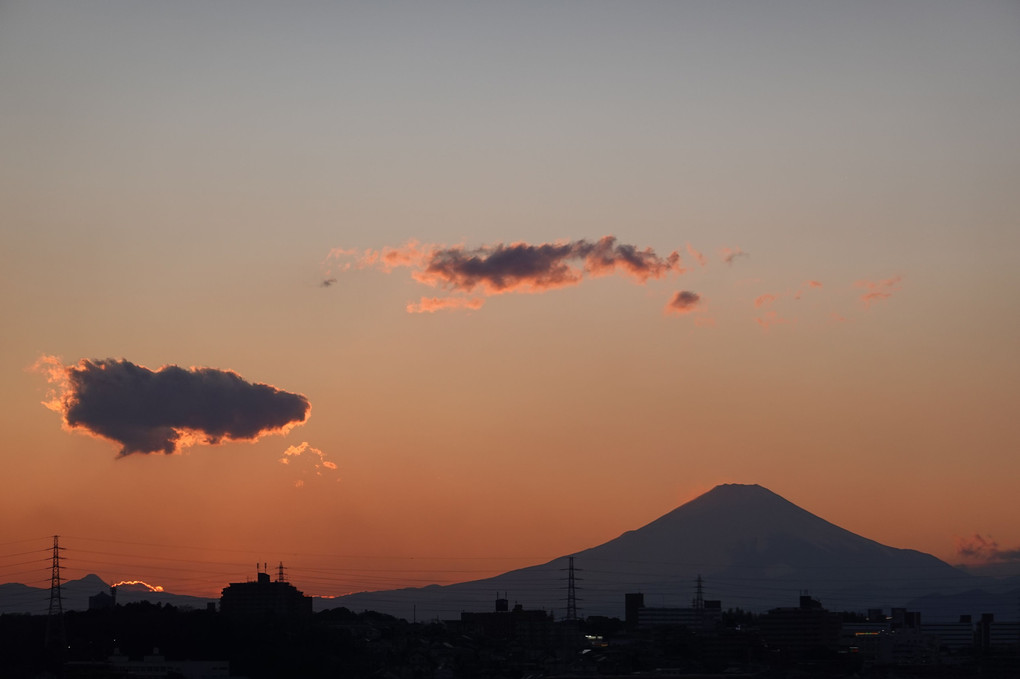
(753,548)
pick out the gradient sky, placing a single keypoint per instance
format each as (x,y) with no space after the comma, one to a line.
(179,181)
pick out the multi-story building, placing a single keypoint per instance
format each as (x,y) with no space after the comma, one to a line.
(264,600)
(794,631)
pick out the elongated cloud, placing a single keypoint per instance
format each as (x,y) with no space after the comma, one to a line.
(765,300)
(429,305)
(520,267)
(164,410)
(142,583)
(876,291)
(684,302)
(504,268)
(984,549)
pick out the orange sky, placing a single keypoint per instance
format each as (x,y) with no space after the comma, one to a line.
(185,186)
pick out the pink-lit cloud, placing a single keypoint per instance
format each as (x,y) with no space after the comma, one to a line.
(769,319)
(765,300)
(986,550)
(730,254)
(684,302)
(701,259)
(808,285)
(387,258)
(504,268)
(165,410)
(429,305)
(317,457)
(876,291)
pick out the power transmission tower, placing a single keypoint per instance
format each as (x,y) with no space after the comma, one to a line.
(279,574)
(55,639)
(699,602)
(571,590)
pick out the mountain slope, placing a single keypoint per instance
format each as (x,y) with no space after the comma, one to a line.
(754,549)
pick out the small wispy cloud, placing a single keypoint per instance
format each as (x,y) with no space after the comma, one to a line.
(769,319)
(984,549)
(765,300)
(319,465)
(429,305)
(701,259)
(808,285)
(876,291)
(730,254)
(684,302)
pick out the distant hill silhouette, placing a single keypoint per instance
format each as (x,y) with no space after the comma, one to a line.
(754,549)
(18,598)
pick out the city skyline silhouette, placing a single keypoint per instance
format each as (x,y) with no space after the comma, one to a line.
(754,550)
(412,295)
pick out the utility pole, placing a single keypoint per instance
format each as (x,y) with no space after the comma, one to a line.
(55,641)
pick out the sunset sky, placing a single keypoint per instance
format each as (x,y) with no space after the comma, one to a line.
(520,277)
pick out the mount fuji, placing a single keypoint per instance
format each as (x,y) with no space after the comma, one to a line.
(752,548)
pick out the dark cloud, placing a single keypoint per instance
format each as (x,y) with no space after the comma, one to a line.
(524,267)
(503,268)
(979,548)
(684,302)
(729,254)
(328,282)
(161,411)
